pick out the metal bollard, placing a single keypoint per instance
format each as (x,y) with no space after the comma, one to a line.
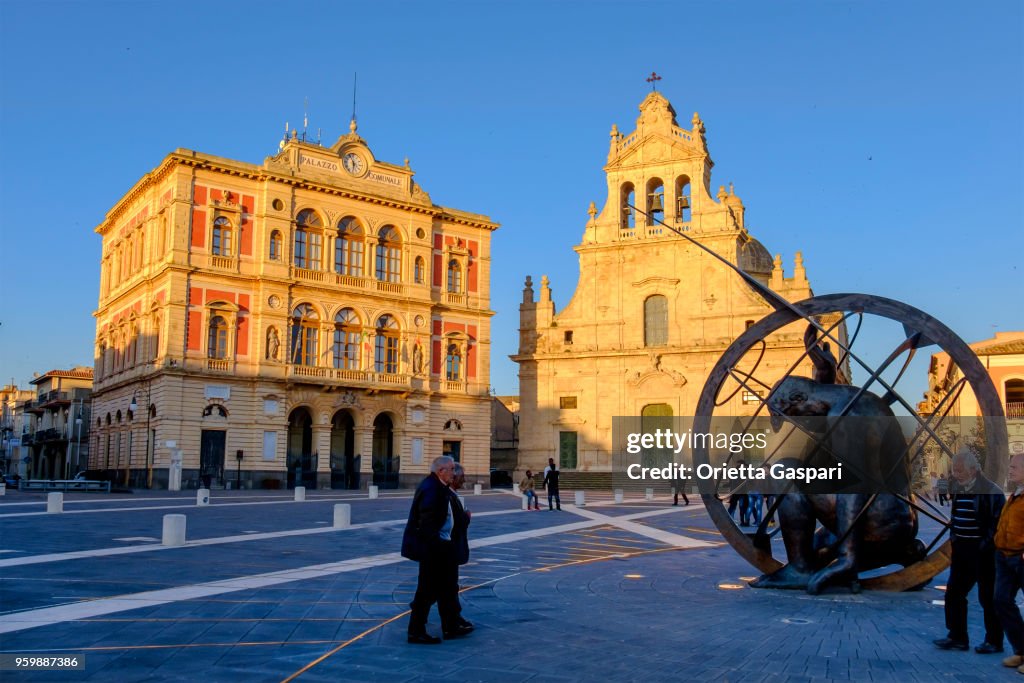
(174,530)
(618,495)
(55,502)
(373,491)
(649,494)
(580,499)
(300,494)
(477,489)
(342,515)
(203,497)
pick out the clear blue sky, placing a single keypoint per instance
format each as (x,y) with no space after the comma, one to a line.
(883,139)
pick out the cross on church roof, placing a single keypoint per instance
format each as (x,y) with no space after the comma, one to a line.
(653,80)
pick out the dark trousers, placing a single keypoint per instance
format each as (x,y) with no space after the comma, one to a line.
(1010,580)
(741,500)
(437,572)
(970,566)
(553,495)
(675,498)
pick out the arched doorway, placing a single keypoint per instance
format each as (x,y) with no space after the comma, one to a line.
(385,462)
(344,464)
(301,469)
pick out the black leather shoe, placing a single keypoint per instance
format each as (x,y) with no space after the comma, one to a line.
(988,648)
(950,644)
(423,639)
(459,631)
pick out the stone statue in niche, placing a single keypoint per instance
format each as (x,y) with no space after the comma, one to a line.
(417,359)
(273,344)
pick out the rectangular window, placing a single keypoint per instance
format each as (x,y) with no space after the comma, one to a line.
(567,450)
(567,403)
(269,446)
(752,396)
(568,337)
(315,243)
(300,249)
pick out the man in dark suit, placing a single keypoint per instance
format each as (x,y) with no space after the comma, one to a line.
(427,540)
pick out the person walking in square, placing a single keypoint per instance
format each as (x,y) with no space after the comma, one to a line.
(528,488)
(1009,543)
(551,474)
(679,489)
(976,504)
(942,489)
(460,540)
(428,540)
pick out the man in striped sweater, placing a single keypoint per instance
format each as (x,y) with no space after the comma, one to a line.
(976,504)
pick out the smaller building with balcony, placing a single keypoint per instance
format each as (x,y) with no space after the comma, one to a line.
(55,438)
(1003,357)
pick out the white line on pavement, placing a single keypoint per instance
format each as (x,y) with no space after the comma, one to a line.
(20,621)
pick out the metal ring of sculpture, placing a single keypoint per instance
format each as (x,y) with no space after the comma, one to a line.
(921,330)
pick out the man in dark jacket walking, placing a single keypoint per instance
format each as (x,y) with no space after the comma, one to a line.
(428,540)
(551,474)
(976,504)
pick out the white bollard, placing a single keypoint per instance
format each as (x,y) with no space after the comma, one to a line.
(3,489)
(300,493)
(373,491)
(649,494)
(342,515)
(477,489)
(174,530)
(203,497)
(580,499)
(55,502)
(526,502)
(618,495)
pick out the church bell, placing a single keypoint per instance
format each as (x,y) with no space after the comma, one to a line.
(657,203)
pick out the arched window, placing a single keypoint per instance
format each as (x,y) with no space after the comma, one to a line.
(276,245)
(683,199)
(217,346)
(133,347)
(419,274)
(627,198)
(348,248)
(389,255)
(347,333)
(221,237)
(453,363)
(305,335)
(309,239)
(454,277)
(155,339)
(656,321)
(385,357)
(655,201)
(101,357)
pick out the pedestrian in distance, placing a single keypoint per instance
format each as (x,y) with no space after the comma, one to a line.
(551,475)
(679,489)
(976,504)
(528,488)
(942,489)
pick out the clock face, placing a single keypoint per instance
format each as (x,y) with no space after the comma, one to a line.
(353,163)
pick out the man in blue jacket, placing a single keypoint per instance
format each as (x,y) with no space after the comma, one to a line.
(428,540)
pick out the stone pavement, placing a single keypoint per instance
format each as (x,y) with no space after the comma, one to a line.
(267,591)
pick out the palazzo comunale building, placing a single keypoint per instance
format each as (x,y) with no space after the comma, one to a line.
(313,320)
(652,313)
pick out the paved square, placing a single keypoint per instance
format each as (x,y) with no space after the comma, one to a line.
(267,590)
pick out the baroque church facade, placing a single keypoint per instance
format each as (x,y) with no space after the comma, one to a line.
(316,319)
(652,312)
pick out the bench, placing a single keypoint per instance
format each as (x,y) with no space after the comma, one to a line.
(63,485)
